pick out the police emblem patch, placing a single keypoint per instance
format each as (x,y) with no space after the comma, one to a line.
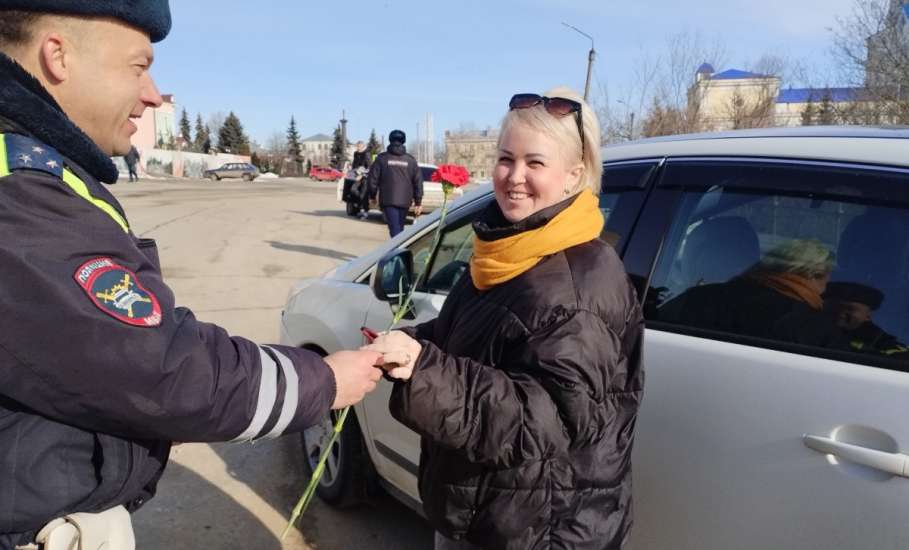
(117,292)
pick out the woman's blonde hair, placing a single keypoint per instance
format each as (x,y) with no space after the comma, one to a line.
(564,130)
(806,257)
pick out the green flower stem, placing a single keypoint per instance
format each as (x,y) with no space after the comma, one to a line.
(310,491)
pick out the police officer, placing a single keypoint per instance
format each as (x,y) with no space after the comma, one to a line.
(99,370)
(395,176)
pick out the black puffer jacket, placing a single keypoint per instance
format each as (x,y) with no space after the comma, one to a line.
(396,177)
(526,396)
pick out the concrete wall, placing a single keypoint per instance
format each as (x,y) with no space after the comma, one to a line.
(158,162)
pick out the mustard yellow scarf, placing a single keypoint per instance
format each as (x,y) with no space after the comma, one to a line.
(499,261)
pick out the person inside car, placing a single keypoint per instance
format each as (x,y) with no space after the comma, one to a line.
(526,387)
(852,306)
(779,298)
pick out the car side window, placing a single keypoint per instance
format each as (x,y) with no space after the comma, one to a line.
(621,197)
(807,258)
(455,249)
(620,202)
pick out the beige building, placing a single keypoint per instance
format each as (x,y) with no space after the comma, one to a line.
(156,126)
(733,99)
(476,151)
(317,149)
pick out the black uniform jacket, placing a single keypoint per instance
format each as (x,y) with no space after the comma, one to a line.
(396,177)
(526,396)
(99,368)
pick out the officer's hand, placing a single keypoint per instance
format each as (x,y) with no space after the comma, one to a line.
(356,374)
(418,209)
(399,353)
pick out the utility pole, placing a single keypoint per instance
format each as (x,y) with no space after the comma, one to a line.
(343,139)
(590,57)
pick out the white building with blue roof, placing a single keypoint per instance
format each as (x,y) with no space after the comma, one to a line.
(733,98)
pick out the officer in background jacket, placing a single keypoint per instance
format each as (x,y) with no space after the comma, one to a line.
(397,179)
(99,369)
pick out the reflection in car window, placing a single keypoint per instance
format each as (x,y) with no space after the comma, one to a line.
(452,259)
(816,256)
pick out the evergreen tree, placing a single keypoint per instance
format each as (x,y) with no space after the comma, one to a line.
(338,150)
(808,113)
(294,148)
(201,136)
(826,114)
(185,129)
(258,162)
(308,166)
(373,147)
(231,137)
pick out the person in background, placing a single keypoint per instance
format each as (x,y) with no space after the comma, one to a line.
(132,161)
(526,387)
(852,306)
(360,188)
(778,298)
(396,178)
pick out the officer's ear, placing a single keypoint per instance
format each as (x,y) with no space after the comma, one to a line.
(54,56)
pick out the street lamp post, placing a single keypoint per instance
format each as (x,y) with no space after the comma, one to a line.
(590,57)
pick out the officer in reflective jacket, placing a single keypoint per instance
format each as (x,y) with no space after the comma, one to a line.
(99,369)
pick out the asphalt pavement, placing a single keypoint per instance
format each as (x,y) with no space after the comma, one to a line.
(230,251)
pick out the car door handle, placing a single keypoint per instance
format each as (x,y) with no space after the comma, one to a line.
(893,463)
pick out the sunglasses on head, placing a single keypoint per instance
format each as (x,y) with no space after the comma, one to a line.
(556,106)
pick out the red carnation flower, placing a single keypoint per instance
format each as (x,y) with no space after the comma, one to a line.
(451,176)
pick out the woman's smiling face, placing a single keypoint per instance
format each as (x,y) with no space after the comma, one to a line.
(530,173)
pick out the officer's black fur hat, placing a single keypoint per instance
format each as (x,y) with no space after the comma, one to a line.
(152,16)
(396,136)
(854,292)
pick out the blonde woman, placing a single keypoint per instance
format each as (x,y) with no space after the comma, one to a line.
(526,387)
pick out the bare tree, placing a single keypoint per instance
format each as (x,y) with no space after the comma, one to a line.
(753,110)
(215,121)
(675,106)
(871,45)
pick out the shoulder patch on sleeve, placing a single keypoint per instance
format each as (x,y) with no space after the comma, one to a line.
(25,153)
(117,292)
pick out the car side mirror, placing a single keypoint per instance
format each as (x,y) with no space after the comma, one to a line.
(393,278)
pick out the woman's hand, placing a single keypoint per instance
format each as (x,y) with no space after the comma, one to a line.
(399,353)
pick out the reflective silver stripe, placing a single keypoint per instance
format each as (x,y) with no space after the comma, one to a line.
(268,392)
(291,396)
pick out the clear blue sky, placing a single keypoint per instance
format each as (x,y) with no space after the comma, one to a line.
(388,62)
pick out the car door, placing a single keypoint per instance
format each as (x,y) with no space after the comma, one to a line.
(395,448)
(743,362)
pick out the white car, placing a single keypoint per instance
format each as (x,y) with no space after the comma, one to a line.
(743,441)
(433,195)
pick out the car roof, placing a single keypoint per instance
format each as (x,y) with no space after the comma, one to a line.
(860,144)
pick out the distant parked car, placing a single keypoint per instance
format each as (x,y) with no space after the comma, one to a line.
(243,170)
(325,173)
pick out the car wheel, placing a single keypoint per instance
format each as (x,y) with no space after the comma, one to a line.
(214,177)
(349,476)
(247,177)
(352,209)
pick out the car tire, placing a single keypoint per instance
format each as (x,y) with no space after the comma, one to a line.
(214,177)
(349,477)
(247,177)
